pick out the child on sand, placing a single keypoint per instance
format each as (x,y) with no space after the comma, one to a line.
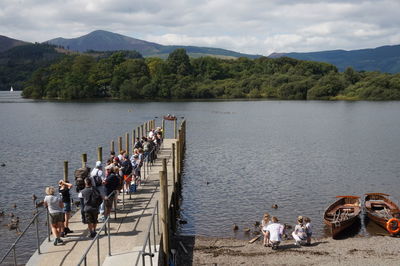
(307,221)
(299,233)
(264,223)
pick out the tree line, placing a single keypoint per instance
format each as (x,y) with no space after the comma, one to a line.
(127,75)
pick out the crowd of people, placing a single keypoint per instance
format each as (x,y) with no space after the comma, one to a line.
(101,187)
(273,231)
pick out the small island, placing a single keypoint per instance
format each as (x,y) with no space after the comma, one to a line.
(127,75)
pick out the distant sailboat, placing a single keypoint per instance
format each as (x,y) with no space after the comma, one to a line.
(11,89)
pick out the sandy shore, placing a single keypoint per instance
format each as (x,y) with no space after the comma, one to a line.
(376,250)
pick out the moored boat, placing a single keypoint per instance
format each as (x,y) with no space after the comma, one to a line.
(169,117)
(383,211)
(342,213)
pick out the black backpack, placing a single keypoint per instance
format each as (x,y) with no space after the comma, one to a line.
(97,179)
(95,199)
(80,175)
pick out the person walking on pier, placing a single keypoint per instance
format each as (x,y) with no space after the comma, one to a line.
(64,188)
(92,199)
(111,185)
(55,207)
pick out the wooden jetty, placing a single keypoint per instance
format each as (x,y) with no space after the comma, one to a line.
(134,226)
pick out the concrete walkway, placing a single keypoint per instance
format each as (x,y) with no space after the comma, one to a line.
(128,231)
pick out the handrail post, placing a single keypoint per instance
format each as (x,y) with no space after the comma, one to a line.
(115,204)
(48,224)
(15,255)
(98,251)
(154,234)
(37,232)
(109,235)
(151,257)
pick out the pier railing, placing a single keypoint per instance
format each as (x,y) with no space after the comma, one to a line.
(13,248)
(146,248)
(106,228)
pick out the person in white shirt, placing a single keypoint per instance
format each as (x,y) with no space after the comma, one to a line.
(275,232)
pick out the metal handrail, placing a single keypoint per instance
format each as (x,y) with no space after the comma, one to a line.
(106,227)
(147,240)
(13,246)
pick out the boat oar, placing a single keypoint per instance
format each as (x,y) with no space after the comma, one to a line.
(254,239)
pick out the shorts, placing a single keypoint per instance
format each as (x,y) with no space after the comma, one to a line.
(67,206)
(109,202)
(91,217)
(57,217)
(128,178)
(309,235)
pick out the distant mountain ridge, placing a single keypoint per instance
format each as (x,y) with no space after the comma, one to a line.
(384,58)
(7,43)
(101,40)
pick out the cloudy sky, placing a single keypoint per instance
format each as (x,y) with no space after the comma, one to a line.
(248,26)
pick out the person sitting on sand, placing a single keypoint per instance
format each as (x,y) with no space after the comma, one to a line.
(264,223)
(308,226)
(275,232)
(299,233)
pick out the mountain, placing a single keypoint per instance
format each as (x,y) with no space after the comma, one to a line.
(7,43)
(384,58)
(101,40)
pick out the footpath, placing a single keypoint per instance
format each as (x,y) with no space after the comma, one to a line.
(128,230)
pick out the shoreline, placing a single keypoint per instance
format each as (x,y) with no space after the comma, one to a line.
(373,250)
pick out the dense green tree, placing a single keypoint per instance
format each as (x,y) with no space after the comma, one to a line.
(127,75)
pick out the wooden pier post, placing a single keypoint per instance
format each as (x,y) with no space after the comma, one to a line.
(164,214)
(175,128)
(178,145)
(119,144)
(84,160)
(146,128)
(138,132)
(133,139)
(173,166)
(163,129)
(100,154)
(127,142)
(142,129)
(66,171)
(112,148)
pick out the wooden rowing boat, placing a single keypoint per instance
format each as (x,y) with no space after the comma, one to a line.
(381,209)
(342,213)
(169,117)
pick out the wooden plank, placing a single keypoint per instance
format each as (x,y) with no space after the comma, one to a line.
(254,239)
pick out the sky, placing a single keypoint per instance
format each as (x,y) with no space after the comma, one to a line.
(247,26)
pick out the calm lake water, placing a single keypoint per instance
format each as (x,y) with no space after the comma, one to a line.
(241,156)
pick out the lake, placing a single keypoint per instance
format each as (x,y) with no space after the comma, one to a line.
(241,156)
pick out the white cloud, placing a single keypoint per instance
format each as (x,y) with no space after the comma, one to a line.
(250,26)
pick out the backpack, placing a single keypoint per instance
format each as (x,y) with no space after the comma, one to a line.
(97,179)
(80,175)
(95,199)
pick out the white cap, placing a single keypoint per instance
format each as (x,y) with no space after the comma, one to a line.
(98,164)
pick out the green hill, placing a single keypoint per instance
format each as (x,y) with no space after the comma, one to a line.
(18,63)
(384,59)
